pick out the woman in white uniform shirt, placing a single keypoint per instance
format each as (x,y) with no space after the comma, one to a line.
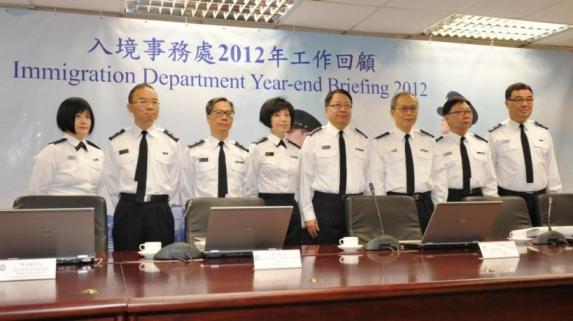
(273,164)
(71,165)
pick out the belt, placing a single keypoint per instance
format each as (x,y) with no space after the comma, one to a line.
(281,196)
(519,193)
(332,195)
(415,196)
(473,191)
(147,199)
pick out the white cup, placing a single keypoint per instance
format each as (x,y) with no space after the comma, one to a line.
(148,267)
(349,241)
(349,259)
(150,247)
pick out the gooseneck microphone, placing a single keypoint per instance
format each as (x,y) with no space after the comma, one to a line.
(550,237)
(384,241)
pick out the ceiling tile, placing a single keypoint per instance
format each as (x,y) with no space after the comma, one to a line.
(327,15)
(377,3)
(435,5)
(561,12)
(100,5)
(507,9)
(400,21)
(564,39)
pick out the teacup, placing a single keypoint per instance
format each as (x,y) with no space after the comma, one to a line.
(348,241)
(150,247)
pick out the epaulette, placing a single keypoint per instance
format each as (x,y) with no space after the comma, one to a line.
(262,139)
(117,134)
(361,133)
(540,125)
(480,138)
(93,145)
(292,143)
(170,134)
(315,131)
(495,127)
(196,143)
(382,135)
(425,132)
(61,140)
(241,146)
(439,138)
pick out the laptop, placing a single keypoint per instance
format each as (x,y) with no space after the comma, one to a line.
(67,234)
(457,225)
(238,231)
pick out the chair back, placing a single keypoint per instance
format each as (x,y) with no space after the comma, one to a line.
(561,208)
(72,201)
(513,215)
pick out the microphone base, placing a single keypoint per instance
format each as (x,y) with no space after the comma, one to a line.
(550,238)
(383,242)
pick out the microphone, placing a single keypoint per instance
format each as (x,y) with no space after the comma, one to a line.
(550,237)
(382,242)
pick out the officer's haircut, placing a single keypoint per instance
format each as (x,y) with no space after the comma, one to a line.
(69,108)
(273,105)
(394,100)
(138,86)
(332,93)
(517,86)
(211,103)
(452,102)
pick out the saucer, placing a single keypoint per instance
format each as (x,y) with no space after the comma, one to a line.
(350,248)
(147,255)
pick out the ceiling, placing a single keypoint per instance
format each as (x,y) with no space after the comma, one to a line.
(385,18)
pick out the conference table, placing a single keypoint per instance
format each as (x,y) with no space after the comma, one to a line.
(331,285)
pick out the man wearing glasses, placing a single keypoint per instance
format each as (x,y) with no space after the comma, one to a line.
(334,163)
(141,175)
(402,157)
(462,164)
(522,151)
(215,166)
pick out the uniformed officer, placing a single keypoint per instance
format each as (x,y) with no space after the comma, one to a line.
(522,151)
(402,157)
(334,163)
(142,174)
(273,166)
(462,164)
(71,165)
(215,166)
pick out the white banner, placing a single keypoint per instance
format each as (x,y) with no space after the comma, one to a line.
(47,57)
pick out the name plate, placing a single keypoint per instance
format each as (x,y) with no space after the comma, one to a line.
(30,269)
(277,259)
(501,249)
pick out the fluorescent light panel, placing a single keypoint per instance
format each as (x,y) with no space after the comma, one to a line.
(265,11)
(489,28)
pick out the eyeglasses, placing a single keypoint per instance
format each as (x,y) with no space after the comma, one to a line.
(460,112)
(340,106)
(220,113)
(146,102)
(519,99)
(404,109)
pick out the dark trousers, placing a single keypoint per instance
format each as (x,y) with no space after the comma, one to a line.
(457,195)
(529,198)
(424,205)
(329,210)
(294,227)
(136,223)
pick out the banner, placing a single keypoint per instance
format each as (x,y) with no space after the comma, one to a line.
(46,57)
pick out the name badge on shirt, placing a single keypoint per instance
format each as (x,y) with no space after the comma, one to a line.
(424,150)
(325,147)
(294,156)
(394,150)
(203,160)
(239,162)
(165,153)
(123,151)
(96,159)
(359,149)
(506,141)
(269,154)
(447,153)
(480,153)
(71,157)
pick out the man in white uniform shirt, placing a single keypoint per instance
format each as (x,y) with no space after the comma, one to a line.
(215,166)
(462,164)
(334,163)
(141,175)
(402,157)
(522,151)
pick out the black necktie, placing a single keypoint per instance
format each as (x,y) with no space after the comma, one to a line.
(80,146)
(342,151)
(222,184)
(466,168)
(141,169)
(526,155)
(281,143)
(410,182)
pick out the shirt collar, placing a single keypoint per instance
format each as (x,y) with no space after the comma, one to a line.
(333,130)
(400,133)
(136,131)
(515,125)
(214,142)
(274,139)
(72,140)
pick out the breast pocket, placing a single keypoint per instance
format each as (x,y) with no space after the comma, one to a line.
(96,165)
(480,156)
(326,161)
(238,165)
(204,163)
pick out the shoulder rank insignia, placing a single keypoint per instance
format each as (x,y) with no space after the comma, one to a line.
(425,132)
(170,134)
(262,139)
(439,138)
(540,125)
(241,146)
(382,135)
(361,133)
(495,127)
(56,142)
(292,143)
(315,131)
(195,144)
(93,145)
(480,138)
(117,134)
